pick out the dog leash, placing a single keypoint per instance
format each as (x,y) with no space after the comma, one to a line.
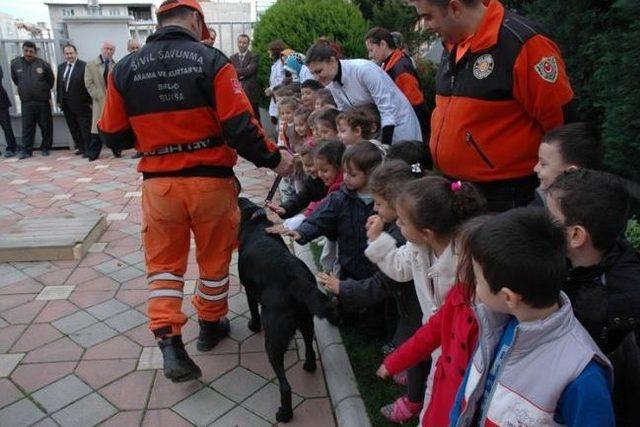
(272,190)
(276,182)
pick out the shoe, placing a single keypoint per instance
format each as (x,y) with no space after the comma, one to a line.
(117,154)
(211,333)
(24,155)
(44,152)
(178,366)
(137,155)
(92,159)
(85,156)
(8,154)
(79,152)
(401,411)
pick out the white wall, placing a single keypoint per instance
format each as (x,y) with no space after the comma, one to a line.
(88,37)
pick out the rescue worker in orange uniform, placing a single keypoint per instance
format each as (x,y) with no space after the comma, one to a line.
(383,49)
(181,103)
(500,86)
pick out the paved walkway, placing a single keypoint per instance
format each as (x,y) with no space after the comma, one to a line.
(74,346)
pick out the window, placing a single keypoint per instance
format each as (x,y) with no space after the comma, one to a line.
(114,12)
(68,12)
(140,13)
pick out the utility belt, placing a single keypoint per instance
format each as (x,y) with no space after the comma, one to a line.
(185,148)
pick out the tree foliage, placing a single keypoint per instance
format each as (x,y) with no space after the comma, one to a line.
(299,23)
(598,39)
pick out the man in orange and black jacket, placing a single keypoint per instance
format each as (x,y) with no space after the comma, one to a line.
(500,86)
(181,104)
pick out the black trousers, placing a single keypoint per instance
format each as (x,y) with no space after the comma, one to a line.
(5,123)
(36,113)
(79,124)
(508,194)
(95,147)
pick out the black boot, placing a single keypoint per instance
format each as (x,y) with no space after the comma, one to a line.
(211,333)
(178,366)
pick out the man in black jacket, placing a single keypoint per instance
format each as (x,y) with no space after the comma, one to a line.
(5,120)
(246,65)
(34,78)
(73,98)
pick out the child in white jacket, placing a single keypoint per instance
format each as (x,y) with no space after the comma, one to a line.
(430,211)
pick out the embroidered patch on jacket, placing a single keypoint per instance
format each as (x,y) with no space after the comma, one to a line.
(39,70)
(237,86)
(483,67)
(547,68)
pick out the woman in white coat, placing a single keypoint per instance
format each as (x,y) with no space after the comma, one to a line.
(276,77)
(355,82)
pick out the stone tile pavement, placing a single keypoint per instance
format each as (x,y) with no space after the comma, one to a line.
(74,346)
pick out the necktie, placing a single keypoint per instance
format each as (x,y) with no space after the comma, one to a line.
(105,73)
(67,75)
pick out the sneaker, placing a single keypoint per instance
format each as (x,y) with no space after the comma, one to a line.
(78,152)
(211,333)
(24,155)
(8,154)
(44,152)
(178,366)
(401,411)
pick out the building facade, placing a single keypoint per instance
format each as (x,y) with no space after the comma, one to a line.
(87,24)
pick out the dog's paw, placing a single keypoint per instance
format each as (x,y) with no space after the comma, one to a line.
(284,415)
(310,365)
(254,326)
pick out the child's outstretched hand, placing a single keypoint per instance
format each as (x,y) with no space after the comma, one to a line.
(276,208)
(330,282)
(375,227)
(283,231)
(382,372)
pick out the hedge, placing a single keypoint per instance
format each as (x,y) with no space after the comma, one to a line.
(599,42)
(300,22)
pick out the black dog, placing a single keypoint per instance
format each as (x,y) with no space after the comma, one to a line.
(285,288)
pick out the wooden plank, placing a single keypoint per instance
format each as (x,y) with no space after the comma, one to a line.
(51,238)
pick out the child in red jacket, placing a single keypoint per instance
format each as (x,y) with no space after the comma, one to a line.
(454,328)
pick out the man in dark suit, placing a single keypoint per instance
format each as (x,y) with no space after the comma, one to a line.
(246,65)
(74,99)
(5,121)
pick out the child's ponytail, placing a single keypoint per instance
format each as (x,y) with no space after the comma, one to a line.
(437,204)
(467,201)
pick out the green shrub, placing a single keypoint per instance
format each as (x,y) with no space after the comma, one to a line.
(633,233)
(599,44)
(300,22)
